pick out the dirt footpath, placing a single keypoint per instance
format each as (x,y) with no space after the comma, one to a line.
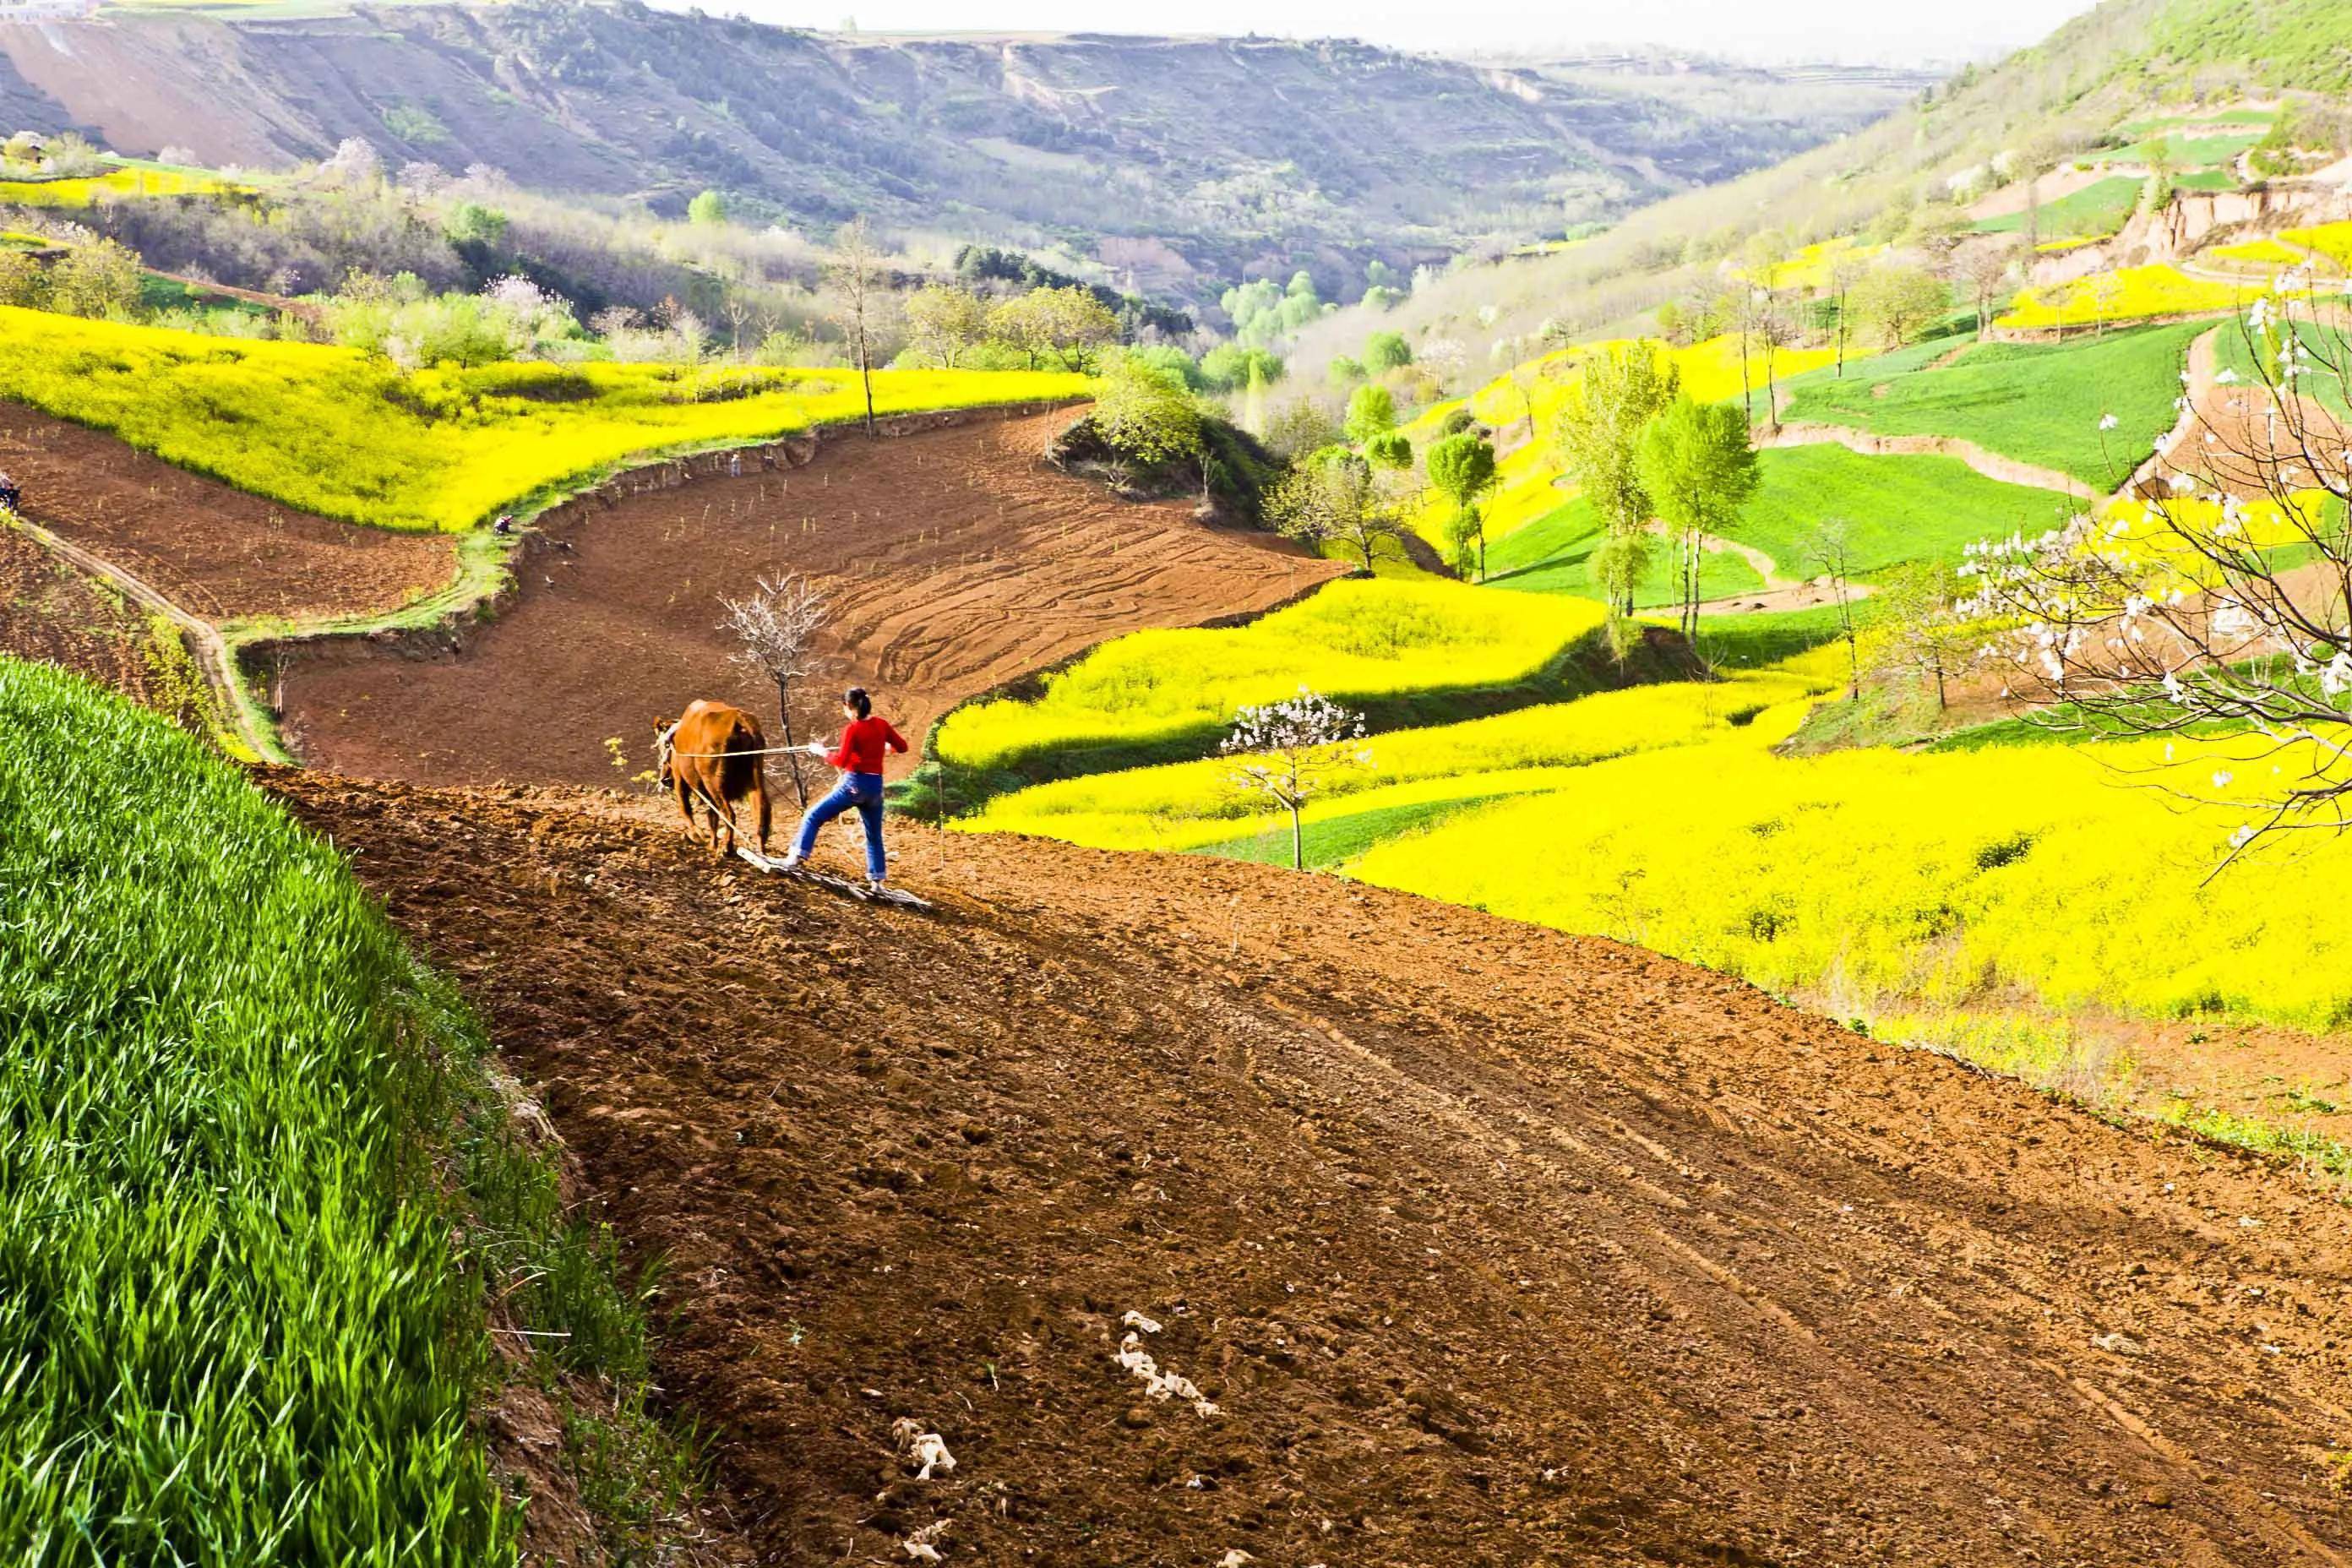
(215,551)
(955,559)
(1488,1245)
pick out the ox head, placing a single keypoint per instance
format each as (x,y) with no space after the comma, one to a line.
(663,751)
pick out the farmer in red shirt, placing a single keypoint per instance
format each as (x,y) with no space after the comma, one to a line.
(859,758)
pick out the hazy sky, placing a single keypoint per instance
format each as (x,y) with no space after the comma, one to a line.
(1769,29)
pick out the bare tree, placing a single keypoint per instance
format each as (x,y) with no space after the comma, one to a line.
(1829,546)
(2219,609)
(1983,267)
(1290,751)
(861,288)
(777,627)
(1844,273)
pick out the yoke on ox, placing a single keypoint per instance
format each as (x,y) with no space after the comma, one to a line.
(715,754)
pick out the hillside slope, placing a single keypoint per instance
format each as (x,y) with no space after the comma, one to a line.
(1489,1244)
(1160,157)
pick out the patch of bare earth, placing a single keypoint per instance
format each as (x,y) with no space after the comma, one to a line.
(1488,1245)
(217,553)
(955,561)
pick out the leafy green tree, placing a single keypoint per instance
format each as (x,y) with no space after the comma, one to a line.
(1618,566)
(1392,450)
(707,209)
(1344,372)
(1898,303)
(945,322)
(471,223)
(1462,469)
(1371,411)
(1228,367)
(1068,323)
(1300,427)
(24,282)
(1146,414)
(1601,423)
(1385,351)
(1696,465)
(1169,360)
(99,279)
(1466,542)
(1334,497)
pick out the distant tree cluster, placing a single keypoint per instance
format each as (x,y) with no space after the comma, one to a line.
(979,266)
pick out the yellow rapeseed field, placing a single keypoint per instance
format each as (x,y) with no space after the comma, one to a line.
(1181,806)
(1880,878)
(134,182)
(330,431)
(1354,640)
(2130,294)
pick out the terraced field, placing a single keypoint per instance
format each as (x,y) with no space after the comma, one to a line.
(1899,508)
(2039,404)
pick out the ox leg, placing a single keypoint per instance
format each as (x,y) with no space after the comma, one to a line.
(685,801)
(759,795)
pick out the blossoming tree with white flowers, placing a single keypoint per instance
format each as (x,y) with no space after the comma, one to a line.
(2217,602)
(1290,751)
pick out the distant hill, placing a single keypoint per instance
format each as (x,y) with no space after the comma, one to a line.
(2064,98)
(1177,164)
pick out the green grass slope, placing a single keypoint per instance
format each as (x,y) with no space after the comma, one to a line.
(1553,555)
(2038,403)
(1899,508)
(232,1327)
(2096,209)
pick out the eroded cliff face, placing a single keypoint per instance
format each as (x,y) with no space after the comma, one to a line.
(1181,161)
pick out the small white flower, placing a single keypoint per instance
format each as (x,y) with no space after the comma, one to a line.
(2227,378)
(2222,777)
(2108,421)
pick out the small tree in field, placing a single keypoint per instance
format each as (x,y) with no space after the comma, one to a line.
(1699,470)
(777,627)
(1291,750)
(1898,303)
(1462,469)
(1335,495)
(1371,411)
(1146,414)
(1829,545)
(1923,638)
(1600,424)
(861,296)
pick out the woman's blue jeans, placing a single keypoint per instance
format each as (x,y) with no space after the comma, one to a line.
(862,791)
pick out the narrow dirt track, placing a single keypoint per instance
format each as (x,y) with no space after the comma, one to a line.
(1492,1246)
(216,552)
(955,559)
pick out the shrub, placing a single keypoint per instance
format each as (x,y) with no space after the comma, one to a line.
(1385,351)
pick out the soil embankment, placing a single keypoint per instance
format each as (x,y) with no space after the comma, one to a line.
(1489,1244)
(954,559)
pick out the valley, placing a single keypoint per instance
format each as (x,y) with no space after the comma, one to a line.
(1624,780)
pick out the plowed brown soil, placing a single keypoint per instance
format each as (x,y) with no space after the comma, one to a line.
(51,615)
(1490,1245)
(955,561)
(217,553)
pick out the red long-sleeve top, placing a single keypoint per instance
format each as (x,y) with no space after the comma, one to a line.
(860,750)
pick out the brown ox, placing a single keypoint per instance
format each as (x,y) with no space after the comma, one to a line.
(711,754)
